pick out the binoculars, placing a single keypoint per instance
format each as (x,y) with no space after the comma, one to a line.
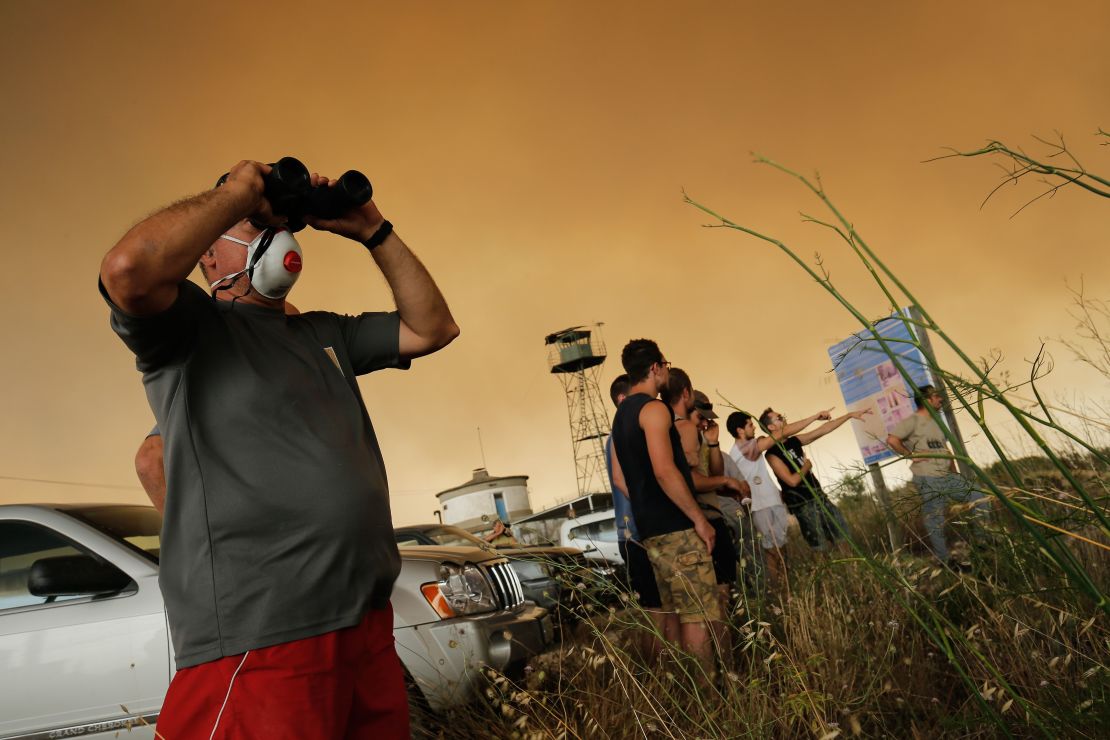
(291,194)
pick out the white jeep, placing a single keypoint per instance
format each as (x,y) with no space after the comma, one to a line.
(84,642)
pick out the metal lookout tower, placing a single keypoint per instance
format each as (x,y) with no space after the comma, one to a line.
(575,357)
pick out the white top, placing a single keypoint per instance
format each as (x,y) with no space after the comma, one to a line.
(765,493)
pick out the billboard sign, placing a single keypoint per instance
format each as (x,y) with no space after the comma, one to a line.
(869,380)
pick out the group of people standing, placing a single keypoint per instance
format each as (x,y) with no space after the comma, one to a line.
(687,513)
(230,371)
(683,508)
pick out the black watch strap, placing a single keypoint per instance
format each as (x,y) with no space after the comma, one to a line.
(378,236)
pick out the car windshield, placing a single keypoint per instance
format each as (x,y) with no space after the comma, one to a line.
(454,537)
(138,527)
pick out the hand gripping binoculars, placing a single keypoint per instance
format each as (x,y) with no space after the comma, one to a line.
(291,194)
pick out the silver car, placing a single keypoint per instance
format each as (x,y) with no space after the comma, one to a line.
(457,609)
(84,642)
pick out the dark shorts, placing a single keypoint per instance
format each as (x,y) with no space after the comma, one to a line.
(724,554)
(346,683)
(641,578)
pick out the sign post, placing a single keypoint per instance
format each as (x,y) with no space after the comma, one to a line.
(893,531)
(869,379)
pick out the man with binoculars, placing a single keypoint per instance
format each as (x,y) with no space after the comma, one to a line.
(278,555)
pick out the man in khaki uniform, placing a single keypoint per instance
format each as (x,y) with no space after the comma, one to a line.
(920,439)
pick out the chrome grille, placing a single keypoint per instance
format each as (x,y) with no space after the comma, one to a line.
(505,584)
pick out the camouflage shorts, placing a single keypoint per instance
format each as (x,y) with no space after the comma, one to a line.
(684,572)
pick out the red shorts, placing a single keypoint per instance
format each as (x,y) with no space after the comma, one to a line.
(342,684)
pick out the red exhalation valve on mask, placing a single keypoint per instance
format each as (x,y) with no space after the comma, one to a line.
(277,266)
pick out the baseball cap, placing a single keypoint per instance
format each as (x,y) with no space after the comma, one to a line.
(704,406)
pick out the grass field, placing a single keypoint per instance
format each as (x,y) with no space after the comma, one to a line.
(863,643)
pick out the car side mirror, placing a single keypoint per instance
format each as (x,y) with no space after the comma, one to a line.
(75,575)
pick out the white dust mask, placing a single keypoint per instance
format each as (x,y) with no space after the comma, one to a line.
(274,262)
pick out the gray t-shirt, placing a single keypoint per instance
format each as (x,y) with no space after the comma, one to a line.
(277,524)
(921,433)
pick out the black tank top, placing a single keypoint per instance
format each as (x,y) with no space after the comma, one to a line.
(653,512)
(794,458)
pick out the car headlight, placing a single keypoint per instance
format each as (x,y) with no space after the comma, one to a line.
(460,591)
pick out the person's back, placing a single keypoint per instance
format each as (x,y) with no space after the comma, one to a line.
(652,510)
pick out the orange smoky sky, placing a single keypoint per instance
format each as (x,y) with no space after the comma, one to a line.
(534,155)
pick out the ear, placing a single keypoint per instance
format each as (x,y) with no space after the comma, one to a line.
(208,261)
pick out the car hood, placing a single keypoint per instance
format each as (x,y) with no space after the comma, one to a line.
(539,551)
(447,553)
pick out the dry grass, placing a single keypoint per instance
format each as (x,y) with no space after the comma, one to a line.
(865,643)
(870,643)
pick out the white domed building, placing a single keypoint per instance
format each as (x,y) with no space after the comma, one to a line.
(481,501)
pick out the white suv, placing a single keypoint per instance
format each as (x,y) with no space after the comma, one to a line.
(595,534)
(84,643)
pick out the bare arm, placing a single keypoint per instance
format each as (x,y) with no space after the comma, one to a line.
(497,531)
(426,321)
(785,474)
(807,437)
(712,438)
(706,483)
(655,420)
(896,444)
(151,471)
(141,272)
(691,447)
(789,430)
